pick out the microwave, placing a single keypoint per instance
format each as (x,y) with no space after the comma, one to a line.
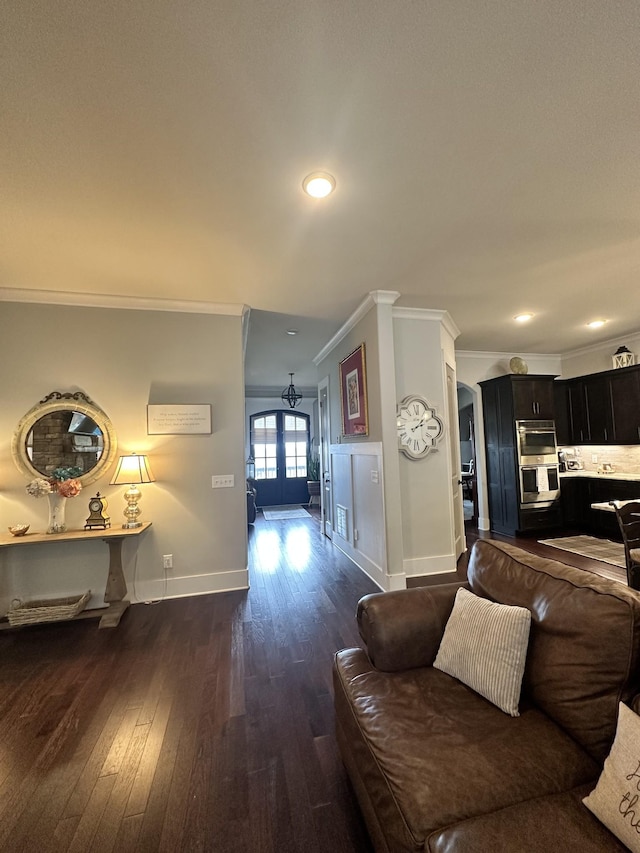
(536,442)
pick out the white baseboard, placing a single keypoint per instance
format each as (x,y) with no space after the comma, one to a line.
(436,565)
(375,572)
(182,587)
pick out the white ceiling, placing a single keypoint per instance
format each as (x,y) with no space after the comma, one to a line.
(486,154)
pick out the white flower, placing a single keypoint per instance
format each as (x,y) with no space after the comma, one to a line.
(38,488)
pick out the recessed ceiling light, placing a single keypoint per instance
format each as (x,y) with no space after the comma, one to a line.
(523,318)
(292,331)
(319,184)
(596,324)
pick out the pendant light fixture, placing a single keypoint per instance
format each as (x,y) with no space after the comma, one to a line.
(290,395)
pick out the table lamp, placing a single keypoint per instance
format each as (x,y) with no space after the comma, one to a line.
(132,470)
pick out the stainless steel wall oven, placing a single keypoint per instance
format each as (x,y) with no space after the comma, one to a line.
(537,463)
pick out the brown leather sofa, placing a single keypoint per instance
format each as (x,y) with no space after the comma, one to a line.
(435,766)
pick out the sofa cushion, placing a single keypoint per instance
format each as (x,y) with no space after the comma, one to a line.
(425,751)
(584,646)
(541,825)
(485,646)
(616,798)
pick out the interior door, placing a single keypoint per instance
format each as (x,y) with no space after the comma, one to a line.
(280,446)
(325,457)
(456,481)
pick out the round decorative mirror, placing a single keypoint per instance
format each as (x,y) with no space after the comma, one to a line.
(65,430)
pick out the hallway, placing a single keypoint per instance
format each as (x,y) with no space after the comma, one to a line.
(199,724)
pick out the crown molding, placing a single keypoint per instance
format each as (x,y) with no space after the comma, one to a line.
(492,356)
(401,313)
(132,303)
(375,297)
(612,342)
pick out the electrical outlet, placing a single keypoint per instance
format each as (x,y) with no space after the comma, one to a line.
(167,561)
(223,481)
(594,457)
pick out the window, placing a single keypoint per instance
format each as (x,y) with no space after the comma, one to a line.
(295,446)
(265,446)
(280,440)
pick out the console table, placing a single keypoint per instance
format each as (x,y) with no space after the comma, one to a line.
(116,589)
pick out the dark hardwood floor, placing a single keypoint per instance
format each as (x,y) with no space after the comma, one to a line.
(199,724)
(530,543)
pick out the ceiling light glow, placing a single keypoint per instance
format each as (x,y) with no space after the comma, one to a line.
(319,184)
(596,324)
(523,318)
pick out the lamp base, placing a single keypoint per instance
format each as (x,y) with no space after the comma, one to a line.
(131,524)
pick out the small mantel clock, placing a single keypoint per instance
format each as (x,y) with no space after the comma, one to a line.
(98,517)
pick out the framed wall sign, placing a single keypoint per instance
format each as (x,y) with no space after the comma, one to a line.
(179,420)
(353,393)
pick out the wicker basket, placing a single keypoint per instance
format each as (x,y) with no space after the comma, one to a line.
(47,610)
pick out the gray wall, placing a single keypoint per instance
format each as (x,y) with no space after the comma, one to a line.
(123,360)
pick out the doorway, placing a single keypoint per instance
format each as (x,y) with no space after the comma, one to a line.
(468,456)
(280,447)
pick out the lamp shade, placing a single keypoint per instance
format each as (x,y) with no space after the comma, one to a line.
(132,469)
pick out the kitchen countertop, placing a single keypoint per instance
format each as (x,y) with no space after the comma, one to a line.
(593,475)
(606,506)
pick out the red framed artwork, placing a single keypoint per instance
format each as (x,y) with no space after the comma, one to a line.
(353,393)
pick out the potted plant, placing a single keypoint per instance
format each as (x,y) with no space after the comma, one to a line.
(313,476)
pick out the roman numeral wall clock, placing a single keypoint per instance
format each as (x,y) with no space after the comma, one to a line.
(419,428)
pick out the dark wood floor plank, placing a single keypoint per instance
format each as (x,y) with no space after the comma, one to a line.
(202,724)
(83,836)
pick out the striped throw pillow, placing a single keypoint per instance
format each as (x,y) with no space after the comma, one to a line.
(485,646)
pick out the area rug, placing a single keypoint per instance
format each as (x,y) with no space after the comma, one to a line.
(280,513)
(588,546)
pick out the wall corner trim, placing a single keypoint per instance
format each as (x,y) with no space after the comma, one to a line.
(400,313)
(376,297)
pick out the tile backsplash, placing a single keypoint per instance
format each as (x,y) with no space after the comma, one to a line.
(624,458)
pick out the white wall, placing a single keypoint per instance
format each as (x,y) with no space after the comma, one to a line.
(358,498)
(597,358)
(406,352)
(426,498)
(123,360)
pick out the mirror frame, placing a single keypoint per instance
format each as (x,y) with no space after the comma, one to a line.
(59,402)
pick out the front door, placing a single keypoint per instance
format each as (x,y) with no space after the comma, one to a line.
(279,445)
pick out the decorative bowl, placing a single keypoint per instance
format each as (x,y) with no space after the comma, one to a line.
(18,529)
(518,365)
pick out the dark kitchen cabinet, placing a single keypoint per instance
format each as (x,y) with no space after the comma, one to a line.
(578,417)
(575,500)
(532,397)
(597,394)
(500,457)
(625,405)
(602,408)
(578,493)
(505,400)
(561,407)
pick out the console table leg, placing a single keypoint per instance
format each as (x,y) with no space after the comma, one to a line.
(116,588)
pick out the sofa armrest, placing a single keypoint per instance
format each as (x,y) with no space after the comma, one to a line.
(403,629)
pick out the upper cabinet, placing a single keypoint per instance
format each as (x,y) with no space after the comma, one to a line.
(625,405)
(532,397)
(603,408)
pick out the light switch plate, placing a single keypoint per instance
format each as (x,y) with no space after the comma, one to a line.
(223,481)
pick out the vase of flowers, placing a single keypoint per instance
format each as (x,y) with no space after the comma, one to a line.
(57,487)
